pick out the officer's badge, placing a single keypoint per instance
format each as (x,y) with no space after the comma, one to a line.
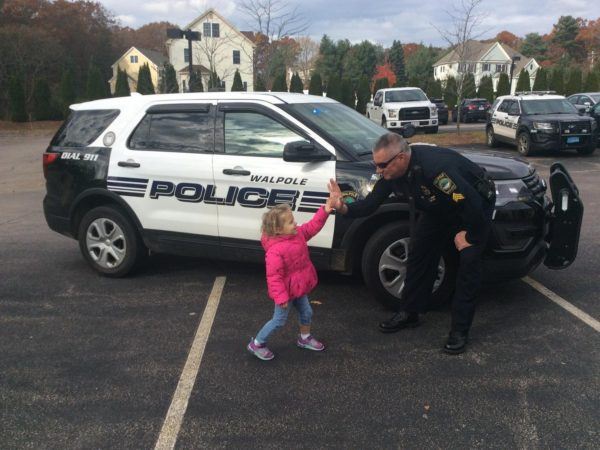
(444,183)
(457,197)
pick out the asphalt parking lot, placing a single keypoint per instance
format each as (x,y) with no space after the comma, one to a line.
(92,362)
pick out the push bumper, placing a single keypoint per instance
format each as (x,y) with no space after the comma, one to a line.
(555,141)
(415,123)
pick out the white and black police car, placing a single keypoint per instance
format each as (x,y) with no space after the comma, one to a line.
(192,174)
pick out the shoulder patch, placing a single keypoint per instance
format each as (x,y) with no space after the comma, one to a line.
(444,183)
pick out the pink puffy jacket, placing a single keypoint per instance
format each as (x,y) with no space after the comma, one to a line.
(290,272)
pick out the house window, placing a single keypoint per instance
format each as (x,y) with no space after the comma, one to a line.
(443,69)
(470,68)
(223,85)
(486,67)
(245,83)
(500,67)
(462,67)
(236,56)
(133,59)
(186,55)
(211,29)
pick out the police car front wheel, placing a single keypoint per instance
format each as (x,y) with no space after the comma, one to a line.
(384,264)
(109,242)
(524,143)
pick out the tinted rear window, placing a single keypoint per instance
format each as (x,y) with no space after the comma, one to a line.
(83,127)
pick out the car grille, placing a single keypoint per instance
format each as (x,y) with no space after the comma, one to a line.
(575,127)
(414,113)
(536,185)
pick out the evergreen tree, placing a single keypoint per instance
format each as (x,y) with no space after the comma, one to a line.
(316,85)
(574,83)
(16,94)
(363,95)
(195,82)
(279,84)
(42,102)
(591,82)
(556,82)
(523,83)
(434,88)
(170,80)
(347,93)
(122,84)
(259,85)
(334,88)
(214,82)
(450,92)
(396,58)
(95,87)
(381,83)
(144,83)
(486,88)
(541,80)
(469,89)
(503,86)
(68,93)
(296,84)
(237,85)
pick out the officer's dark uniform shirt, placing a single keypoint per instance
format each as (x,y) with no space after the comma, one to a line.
(441,181)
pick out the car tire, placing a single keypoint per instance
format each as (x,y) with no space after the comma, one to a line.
(524,144)
(586,151)
(109,241)
(384,122)
(490,137)
(383,259)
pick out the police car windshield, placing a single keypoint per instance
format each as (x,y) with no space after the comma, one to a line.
(548,106)
(353,131)
(411,95)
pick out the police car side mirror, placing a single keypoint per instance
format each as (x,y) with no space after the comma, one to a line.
(302,151)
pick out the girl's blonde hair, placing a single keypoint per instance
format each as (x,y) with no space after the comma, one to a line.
(272,221)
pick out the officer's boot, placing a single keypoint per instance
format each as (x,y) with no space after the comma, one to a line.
(399,321)
(457,342)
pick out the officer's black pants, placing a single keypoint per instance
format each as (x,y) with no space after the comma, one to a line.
(432,235)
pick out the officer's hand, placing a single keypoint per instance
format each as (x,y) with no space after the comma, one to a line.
(335,194)
(460,240)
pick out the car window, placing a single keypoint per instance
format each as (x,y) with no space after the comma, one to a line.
(595,98)
(495,105)
(514,108)
(584,99)
(574,99)
(410,95)
(504,106)
(185,132)
(254,134)
(549,106)
(83,127)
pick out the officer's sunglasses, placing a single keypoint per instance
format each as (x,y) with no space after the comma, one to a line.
(384,164)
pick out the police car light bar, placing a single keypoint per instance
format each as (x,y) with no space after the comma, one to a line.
(535,92)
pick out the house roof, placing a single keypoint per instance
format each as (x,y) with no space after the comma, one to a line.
(198,67)
(156,57)
(192,24)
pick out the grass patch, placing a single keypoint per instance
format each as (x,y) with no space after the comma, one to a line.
(451,139)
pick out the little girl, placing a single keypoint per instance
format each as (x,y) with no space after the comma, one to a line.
(290,274)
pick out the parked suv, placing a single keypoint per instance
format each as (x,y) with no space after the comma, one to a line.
(442,110)
(537,121)
(192,174)
(472,110)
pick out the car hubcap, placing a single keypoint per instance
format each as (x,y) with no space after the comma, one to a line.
(523,142)
(392,268)
(490,137)
(105,243)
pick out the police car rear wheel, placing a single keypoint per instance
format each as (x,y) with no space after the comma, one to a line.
(384,267)
(524,144)
(109,242)
(491,139)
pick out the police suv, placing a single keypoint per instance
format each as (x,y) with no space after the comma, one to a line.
(192,174)
(540,121)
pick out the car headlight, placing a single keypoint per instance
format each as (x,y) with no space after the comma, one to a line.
(433,110)
(393,113)
(544,126)
(511,191)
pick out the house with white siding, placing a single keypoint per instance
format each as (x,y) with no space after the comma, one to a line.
(221,49)
(485,58)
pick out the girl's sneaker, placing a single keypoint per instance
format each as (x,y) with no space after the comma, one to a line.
(310,343)
(260,351)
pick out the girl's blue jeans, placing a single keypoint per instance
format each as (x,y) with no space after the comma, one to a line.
(280,316)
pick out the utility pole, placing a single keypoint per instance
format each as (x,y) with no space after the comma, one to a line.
(176,33)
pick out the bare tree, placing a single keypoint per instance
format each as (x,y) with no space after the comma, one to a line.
(308,52)
(272,21)
(465,23)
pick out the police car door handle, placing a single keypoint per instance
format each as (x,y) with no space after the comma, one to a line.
(236,172)
(128,163)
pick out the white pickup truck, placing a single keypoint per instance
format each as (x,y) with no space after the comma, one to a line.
(398,107)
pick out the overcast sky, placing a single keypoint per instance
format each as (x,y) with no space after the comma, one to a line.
(379,21)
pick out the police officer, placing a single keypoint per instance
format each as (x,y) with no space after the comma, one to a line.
(455,200)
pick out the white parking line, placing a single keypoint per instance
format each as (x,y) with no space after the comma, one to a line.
(174,418)
(563,303)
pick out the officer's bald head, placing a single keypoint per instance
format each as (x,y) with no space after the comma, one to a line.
(391,156)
